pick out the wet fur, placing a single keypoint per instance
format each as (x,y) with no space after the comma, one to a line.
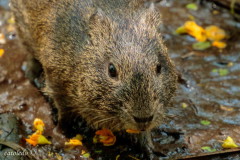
(75,40)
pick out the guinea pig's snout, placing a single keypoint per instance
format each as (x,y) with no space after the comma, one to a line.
(143,119)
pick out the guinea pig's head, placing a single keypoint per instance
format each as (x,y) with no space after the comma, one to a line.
(127,76)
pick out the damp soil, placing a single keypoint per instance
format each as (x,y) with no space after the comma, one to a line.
(206,95)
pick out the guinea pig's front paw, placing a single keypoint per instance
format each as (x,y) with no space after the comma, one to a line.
(170,145)
(152,153)
(149,148)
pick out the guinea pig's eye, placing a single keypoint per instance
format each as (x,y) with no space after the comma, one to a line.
(158,69)
(112,71)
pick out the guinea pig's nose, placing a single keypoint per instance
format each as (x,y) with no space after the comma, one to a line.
(143,120)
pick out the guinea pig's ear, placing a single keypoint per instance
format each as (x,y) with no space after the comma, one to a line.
(151,17)
(99,26)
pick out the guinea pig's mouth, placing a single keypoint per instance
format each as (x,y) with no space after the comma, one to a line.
(143,119)
(143,123)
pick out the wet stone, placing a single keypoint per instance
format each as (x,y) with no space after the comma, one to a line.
(8,133)
(9,127)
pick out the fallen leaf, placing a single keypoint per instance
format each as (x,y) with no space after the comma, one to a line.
(229,143)
(133,157)
(43,140)
(86,155)
(98,151)
(181,30)
(215,70)
(192,6)
(201,45)
(225,108)
(205,122)
(223,72)
(208,149)
(117,157)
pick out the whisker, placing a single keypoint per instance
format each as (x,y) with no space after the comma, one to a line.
(103,120)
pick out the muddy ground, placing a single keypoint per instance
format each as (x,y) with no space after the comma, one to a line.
(206,95)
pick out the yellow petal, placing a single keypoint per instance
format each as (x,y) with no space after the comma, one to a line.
(1,52)
(73,142)
(215,33)
(78,136)
(195,30)
(38,124)
(229,143)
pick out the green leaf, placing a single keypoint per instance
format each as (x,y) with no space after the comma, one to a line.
(201,45)
(205,122)
(223,72)
(192,6)
(181,30)
(215,70)
(208,149)
(86,155)
(98,151)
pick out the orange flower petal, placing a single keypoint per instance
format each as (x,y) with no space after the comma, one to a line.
(37,138)
(219,44)
(34,143)
(33,139)
(107,140)
(104,136)
(132,131)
